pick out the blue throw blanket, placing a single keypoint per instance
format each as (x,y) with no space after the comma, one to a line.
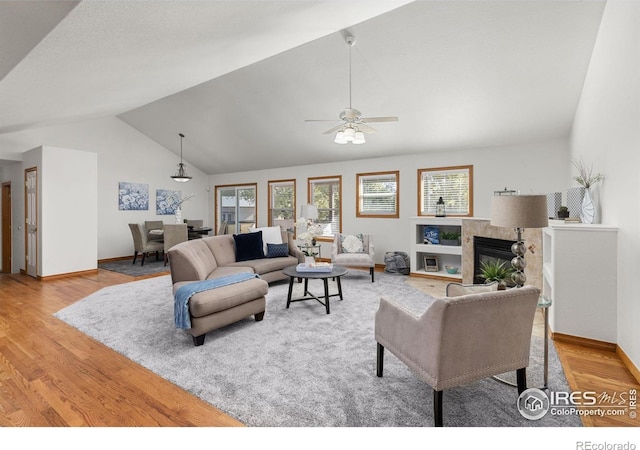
(181,316)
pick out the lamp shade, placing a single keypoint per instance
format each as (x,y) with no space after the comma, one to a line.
(519,211)
(311,212)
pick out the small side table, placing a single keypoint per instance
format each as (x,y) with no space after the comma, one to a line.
(544,302)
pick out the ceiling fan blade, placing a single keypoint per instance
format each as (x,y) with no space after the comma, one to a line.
(379,119)
(336,128)
(366,128)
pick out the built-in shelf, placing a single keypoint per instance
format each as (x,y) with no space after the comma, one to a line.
(447,255)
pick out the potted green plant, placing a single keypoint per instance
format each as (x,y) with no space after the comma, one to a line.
(495,270)
(563,212)
(450,238)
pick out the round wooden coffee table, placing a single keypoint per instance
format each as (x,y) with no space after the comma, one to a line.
(336,273)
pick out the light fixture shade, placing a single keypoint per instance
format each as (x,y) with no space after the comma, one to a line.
(309,212)
(519,211)
(349,134)
(358,138)
(340,139)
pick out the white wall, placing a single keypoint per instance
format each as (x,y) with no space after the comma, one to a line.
(532,168)
(124,154)
(606,132)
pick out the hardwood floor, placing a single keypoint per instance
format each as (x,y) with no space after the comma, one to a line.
(52,375)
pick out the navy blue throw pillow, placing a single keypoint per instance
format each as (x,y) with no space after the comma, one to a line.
(277,250)
(249,246)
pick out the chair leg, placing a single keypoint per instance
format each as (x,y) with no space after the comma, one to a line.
(143,256)
(437,408)
(135,255)
(371,270)
(521,378)
(379,359)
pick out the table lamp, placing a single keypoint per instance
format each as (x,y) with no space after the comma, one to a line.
(309,212)
(519,212)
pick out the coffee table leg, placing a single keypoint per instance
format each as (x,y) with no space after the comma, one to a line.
(339,287)
(326,293)
(306,287)
(290,290)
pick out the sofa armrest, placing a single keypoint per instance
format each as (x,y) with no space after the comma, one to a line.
(293,248)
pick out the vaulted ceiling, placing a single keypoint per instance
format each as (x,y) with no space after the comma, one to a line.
(239,78)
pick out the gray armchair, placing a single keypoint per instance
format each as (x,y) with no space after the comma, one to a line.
(462,339)
(142,245)
(357,254)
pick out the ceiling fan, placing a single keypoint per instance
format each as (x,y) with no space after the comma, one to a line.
(353,125)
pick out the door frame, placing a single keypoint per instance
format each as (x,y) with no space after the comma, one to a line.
(31,270)
(7,238)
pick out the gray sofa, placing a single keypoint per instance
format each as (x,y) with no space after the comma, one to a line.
(215,257)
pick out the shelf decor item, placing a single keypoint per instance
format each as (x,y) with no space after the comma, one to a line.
(586,178)
(432,235)
(431,263)
(440,208)
(519,212)
(450,238)
(563,212)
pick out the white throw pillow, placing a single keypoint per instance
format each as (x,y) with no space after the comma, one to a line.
(270,235)
(352,243)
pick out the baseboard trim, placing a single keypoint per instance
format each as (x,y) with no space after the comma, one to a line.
(67,275)
(585,342)
(627,362)
(119,258)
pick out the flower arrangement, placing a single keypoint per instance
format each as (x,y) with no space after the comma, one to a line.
(585,176)
(177,202)
(307,230)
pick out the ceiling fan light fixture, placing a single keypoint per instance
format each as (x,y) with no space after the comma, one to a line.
(340,139)
(181,175)
(358,138)
(349,134)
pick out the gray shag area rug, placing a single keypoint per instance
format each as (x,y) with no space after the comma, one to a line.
(300,367)
(151,266)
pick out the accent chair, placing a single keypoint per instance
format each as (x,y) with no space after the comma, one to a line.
(458,340)
(354,250)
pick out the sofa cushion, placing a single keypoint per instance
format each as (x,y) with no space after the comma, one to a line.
(266,265)
(225,297)
(351,243)
(270,235)
(249,246)
(277,250)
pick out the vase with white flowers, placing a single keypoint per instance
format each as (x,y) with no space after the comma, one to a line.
(307,231)
(177,202)
(586,178)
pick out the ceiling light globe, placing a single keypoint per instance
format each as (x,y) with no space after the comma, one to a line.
(340,139)
(358,138)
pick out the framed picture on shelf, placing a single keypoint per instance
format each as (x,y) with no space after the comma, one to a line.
(430,263)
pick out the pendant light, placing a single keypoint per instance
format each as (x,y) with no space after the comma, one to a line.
(181,176)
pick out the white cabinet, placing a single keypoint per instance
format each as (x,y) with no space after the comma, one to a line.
(579,273)
(450,255)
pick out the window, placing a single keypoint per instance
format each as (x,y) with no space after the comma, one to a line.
(377,194)
(326,194)
(282,201)
(236,208)
(453,184)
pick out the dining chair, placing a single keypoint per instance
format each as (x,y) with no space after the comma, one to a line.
(153,225)
(174,234)
(142,244)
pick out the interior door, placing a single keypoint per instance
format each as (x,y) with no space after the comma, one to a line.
(31,221)
(6,228)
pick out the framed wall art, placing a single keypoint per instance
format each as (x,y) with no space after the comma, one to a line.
(133,196)
(167,201)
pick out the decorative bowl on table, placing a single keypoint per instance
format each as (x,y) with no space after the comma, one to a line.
(451,269)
